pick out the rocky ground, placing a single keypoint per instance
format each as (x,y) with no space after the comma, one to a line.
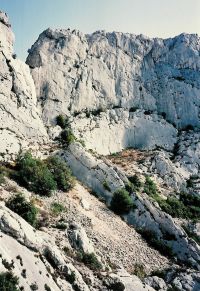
(129,105)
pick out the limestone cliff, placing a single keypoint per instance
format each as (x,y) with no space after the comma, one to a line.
(122,89)
(20,122)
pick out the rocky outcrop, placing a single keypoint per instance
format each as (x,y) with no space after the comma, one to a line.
(147,216)
(123,89)
(20,123)
(37,254)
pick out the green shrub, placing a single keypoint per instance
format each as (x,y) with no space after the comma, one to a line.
(62,121)
(47,288)
(35,175)
(90,260)
(135,181)
(156,243)
(8,282)
(139,271)
(61,173)
(22,207)
(188,206)
(150,187)
(61,225)
(67,137)
(106,186)
(121,202)
(57,208)
(71,277)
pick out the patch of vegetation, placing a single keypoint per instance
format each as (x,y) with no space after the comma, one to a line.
(34,287)
(71,277)
(57,208)
(117,286)
(133,109)
(43,177)
(34,174)
(156,243)
(67,137)
(62,121)
(22,207)
(106,186)
(187,206)
(9,282)
(159,273)
(47,288)
(191,234)
(121,202)
(61,173)
(148,112)
(7,265)
(150,187)
(135,181)
(139,271)
(91,261)
(61,225)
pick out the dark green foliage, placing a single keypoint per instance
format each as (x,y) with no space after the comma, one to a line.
(7,265)
(61,225)
(61,173)
(62,121)
(189,199)
(121,202)
(35,175)
(8,282)
(173,206)
(187,206)
(70,277)
(135,181)
(67,137)
(150,187)
(106,186)
(133,109)
(22,207)
(155,242)
(91,261)
(117,286)
(34,287)
(47,288)
(43,177)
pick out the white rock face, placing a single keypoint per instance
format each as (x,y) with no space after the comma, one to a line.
(79,239)
(22,239)
(20,123)
(115,74)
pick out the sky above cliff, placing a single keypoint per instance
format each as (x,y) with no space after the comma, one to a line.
(154,18)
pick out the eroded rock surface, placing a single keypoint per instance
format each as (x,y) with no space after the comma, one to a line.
(123,89)
(20,122)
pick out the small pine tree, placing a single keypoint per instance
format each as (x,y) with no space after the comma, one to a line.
(22,207)
(121,202)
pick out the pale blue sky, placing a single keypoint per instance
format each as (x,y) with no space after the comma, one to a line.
(162,18)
